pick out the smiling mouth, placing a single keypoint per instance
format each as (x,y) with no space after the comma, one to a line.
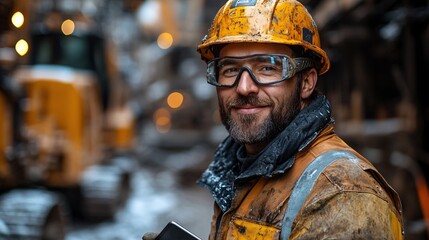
(248,109)
(248,105)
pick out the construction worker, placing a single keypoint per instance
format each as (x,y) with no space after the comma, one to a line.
(283,173)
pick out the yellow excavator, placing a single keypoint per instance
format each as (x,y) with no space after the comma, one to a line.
(66,135)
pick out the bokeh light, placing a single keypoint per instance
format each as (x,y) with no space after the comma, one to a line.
(67,27)
(17,19)
(165,40)
(21,47)
(162,119)
(175,100)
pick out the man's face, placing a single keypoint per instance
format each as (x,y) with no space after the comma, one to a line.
(255,114)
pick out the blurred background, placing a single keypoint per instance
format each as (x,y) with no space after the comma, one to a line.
(107,121)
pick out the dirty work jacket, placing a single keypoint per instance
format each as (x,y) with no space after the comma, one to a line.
(350,200)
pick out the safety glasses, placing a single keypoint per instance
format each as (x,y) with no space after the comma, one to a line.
(265,69)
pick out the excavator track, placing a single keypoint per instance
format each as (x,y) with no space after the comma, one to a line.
(104,188)
(33,214)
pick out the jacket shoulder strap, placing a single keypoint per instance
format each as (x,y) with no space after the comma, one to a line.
(306,183)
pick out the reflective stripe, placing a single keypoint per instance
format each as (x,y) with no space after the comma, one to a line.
(306,183)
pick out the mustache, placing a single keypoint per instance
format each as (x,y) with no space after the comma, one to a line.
(248,100)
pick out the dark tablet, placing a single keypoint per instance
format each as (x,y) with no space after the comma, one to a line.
(174,231)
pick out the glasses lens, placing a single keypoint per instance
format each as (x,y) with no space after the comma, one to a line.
(265,68)
(212,74)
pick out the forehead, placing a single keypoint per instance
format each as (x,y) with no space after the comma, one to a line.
(245,49)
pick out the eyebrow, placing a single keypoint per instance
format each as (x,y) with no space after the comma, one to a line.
(227,61)
(258,58)
(271,59)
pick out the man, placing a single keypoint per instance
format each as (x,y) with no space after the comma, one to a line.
(283,173)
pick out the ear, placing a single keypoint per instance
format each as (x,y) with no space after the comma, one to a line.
(309,82)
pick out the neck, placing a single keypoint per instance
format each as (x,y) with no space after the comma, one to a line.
(255,149)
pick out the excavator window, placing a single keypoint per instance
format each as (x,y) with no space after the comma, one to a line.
(82,52)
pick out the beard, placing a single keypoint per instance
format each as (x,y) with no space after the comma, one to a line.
(247,129)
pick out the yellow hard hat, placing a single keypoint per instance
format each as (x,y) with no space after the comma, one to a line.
(276,21)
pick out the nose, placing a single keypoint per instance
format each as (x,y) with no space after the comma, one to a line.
(246,85)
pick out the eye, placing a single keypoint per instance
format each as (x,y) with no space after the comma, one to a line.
(267,69)
(229,71)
